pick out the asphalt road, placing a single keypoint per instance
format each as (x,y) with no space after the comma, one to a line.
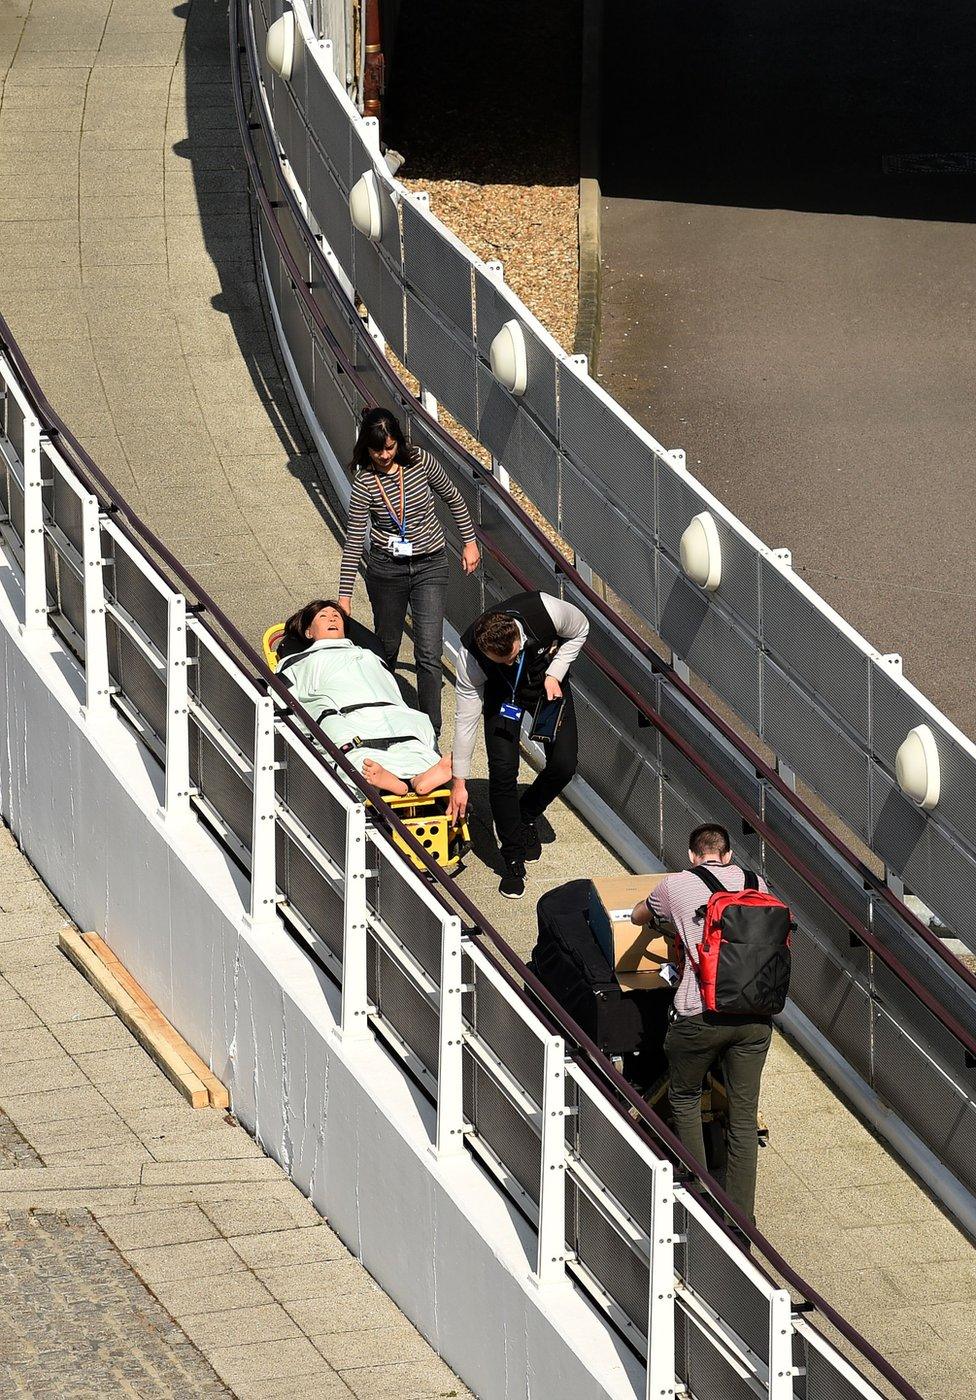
(789,277)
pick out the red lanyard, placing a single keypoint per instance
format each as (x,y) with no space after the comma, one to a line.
(400,521)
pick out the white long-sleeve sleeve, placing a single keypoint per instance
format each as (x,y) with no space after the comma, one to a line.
(572,629)
(470,699)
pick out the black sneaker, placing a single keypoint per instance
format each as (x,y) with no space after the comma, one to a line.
(513,881)
(533,845)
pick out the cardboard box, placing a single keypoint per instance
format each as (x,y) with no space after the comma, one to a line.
(637,954)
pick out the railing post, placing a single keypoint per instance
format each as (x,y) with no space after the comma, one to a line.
(97,684)
(176,800)
(660,1311)
(781,1370)
(551,1259)
(35,584)
(263,886)
(450,1039)
(355,1001)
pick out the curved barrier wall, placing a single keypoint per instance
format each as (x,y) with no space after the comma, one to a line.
(830,706)
(142,698)
(650,749)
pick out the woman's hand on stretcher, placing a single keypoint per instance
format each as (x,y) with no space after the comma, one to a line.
(470,557)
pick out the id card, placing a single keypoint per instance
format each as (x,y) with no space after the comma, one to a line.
(401,549)
(511,712)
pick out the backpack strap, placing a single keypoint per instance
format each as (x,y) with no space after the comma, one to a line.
(708,878)
(751,881)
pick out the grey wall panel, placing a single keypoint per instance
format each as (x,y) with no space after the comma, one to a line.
(617,551)
(292,133)
(715,649)
(330,122)
(808,645)
(536,466)
(897,825)
(938,978)
(377,282)
(606,448)
(738,592)
(329,203)
(338,419)
(443,364)
(721,757)
(833,1001)
(437,270)
(493,309)
(816,748)
(944,876)
(498,419)
(513,544)
(298,333)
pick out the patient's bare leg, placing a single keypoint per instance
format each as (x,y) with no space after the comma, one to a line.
(383,779)
(434,777)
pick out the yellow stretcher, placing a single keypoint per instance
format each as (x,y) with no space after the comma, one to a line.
(426,817)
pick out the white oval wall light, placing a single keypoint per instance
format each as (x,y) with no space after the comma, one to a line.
(508,360)
(279,47)
(364,206)
(701,552)
(917,767)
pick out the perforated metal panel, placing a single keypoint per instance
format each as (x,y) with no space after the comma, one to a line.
(824,1381)
(832,1000)
(507,1035)
(132,590)
(66,510)
(943,874)
(437,270)
(335,417)
(493,309)
(298,333)
(377,278)
(815,748)
(222,698)
(609,1258)
(498,420)
(222,786)
(498,1122)
(621,555)
(402,1006)
(807,644)
(513,544)
(328,200)
(710,1271)
(606,448)
(407,915)
(15,426)
(291,130)
(614,1161)
(309,892)
(15,497)
(66,595)
(330,123)
(607,762)
(143,687)
(442,362)
(304,794)
(704,1370)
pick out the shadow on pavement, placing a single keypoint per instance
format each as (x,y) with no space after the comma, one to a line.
(819,105)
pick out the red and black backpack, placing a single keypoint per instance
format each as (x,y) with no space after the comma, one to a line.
(743,962)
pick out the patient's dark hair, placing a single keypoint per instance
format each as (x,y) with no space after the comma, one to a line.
(709,840)
(299,623)
(377,425)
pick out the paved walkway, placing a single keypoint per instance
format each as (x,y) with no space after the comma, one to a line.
(127,272)
(788,293)
(152,1249)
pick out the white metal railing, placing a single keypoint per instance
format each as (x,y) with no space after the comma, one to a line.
(499,1075)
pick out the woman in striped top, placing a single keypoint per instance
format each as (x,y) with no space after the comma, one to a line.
(407,564)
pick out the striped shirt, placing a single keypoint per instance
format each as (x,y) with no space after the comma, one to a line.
(676,901)
(422,475)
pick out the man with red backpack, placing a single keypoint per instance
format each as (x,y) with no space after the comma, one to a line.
(732,951)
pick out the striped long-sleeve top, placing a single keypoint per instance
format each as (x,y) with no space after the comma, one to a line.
(422,475)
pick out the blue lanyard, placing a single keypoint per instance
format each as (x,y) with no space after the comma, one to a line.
(518,672)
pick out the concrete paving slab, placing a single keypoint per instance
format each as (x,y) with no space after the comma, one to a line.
(265,1360)
(207,1258)
(404,1379)
(106,1033)
(267,1323)
(54,1106)
(50,1073)
(377,1347)
(289,1212)
(191,1296)
(333,1313)
(154,1228)
(22,1043)
(283,1247)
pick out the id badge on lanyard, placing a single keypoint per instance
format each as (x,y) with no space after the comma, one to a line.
(400,546)
(511,710)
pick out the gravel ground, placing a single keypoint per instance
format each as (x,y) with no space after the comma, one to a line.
(483,103)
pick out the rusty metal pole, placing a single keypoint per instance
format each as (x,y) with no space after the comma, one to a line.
(374,65)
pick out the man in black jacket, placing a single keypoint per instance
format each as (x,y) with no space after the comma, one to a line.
(512,655)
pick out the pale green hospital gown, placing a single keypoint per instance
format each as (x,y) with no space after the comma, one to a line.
(333,674)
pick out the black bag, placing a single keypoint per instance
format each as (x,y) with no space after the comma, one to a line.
(570,964)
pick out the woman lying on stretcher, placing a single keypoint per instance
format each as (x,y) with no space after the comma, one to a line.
(358,703)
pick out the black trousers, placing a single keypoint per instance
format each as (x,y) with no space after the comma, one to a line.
(502,745)
(419,582)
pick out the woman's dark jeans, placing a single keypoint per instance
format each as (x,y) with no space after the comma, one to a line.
(420,583)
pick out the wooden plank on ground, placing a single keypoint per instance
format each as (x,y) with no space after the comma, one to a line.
(178,1060)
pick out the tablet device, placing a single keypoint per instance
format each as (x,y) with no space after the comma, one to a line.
(547,719)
